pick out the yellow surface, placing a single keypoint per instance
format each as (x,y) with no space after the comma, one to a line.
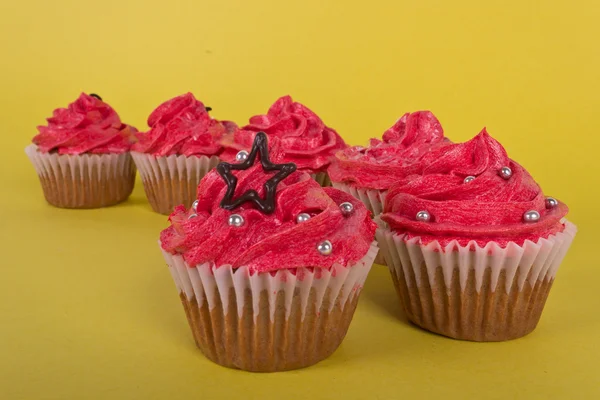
(88,309)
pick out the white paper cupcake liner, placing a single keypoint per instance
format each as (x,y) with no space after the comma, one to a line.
(84,180)
(372,198)
(269,321)
(322,179)
(472,292)
(172,180)
(206,281)
(531,261)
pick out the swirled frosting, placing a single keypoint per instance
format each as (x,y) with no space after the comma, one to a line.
(302,136)
(487,208)
(391,159)
(182,126)
(88,125)
(269,242)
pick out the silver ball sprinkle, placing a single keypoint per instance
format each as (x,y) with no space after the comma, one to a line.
(192,216)
(531,216)
(346,208)
(236,220)
(551,202)
(469,179)
(505,172)
(241,156)
(195,205)
(423,216)
(325,248)
(303,217)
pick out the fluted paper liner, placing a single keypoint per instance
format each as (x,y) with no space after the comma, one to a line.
(322,178)
(84,180)
(475,293)
(372,198)
(268,322)
(172,180)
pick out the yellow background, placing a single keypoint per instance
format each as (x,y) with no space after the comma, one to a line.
(88,309)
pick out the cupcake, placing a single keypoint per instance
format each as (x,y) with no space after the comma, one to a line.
(472,243)
(269,276)
(302,136)
(82,155)
(182,145)
(367,173)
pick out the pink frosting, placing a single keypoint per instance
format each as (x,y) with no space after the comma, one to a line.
(182,126)
(88,125)
(489,208)
(302,136)
(397,156)
(269,242)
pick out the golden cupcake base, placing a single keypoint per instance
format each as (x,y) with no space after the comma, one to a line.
(259,344)
(484,316)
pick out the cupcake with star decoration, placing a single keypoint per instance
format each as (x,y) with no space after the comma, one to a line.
(302,137)
(182,145)
(82,155)
(267,272)
(472,243)
(367,173)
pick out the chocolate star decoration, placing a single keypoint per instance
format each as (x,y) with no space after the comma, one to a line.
(266,205)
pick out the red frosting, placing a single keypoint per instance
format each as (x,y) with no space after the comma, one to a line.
(397,156)
(273,241)
(88,125)
(489,208)
(299,133)
(182,126)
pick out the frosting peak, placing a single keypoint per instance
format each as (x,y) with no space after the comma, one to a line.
(415,128)
(397,156)
(302,136)
(488,207)
(88,125)
(183,126)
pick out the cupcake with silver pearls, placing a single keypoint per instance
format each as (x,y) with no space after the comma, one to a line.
(269,265)
(472,243)
(368,172)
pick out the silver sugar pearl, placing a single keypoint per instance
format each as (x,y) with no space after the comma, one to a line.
(469,178)
(325,248)
(241,156)
(551,202)
(423,216)
(192,216)
(236,220)
(505,172)
(531,216)
(303,217)
(195,205)
(346,208)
